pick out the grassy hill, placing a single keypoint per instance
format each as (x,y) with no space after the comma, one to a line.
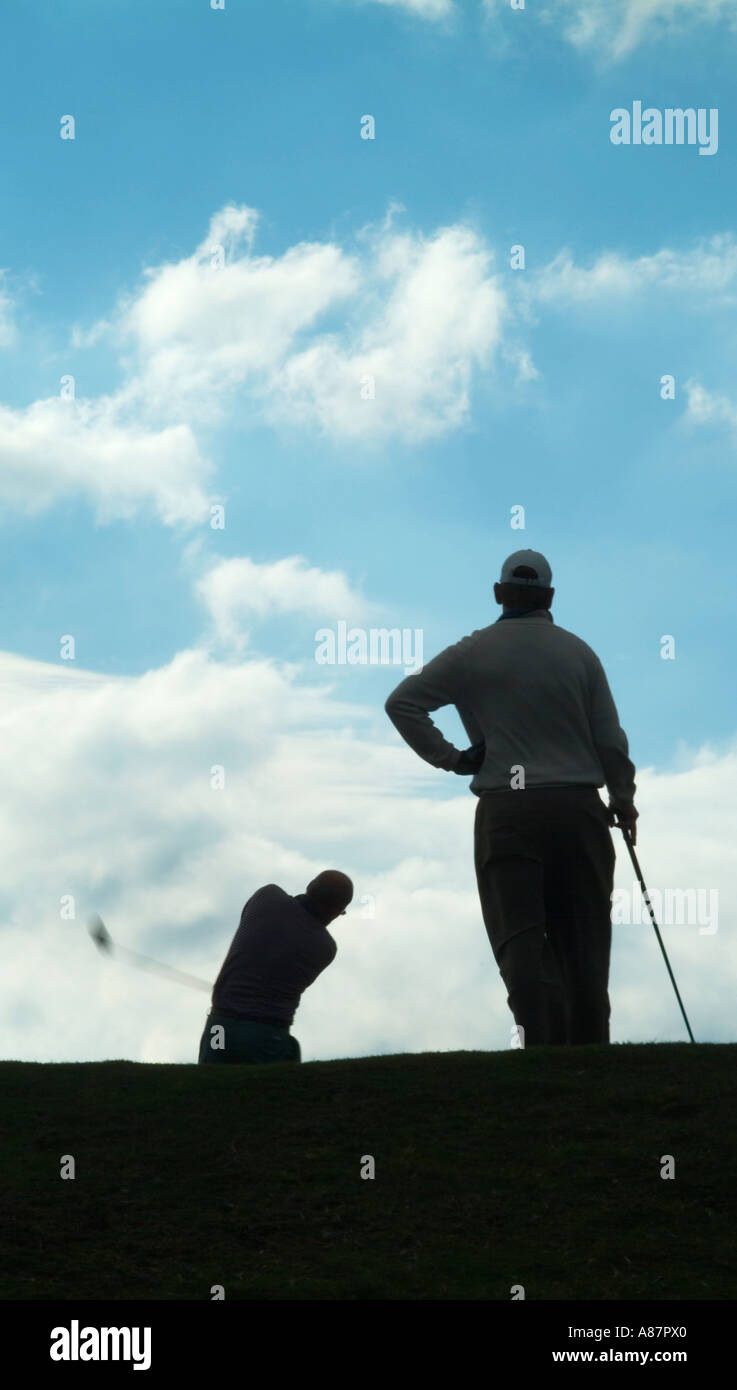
(539,1168)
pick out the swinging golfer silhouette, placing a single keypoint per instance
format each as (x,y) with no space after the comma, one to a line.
(281,946)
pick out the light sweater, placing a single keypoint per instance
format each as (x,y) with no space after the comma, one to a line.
(538,697)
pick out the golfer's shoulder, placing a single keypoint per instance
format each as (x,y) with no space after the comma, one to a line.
(269,892)
(273,890)
(572,641)
(474,640)
(270,908)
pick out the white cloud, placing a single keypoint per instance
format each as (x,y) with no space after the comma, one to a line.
(430,313)
(423,315)
(423,312)
(119,812)
(708,270)
(620,28)
(706,408)
(615,28)
(522,360)
(196,330)
(56,448)
(200,327)
(238,590)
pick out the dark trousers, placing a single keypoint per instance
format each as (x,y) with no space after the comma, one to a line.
(545,870)
(229,1039)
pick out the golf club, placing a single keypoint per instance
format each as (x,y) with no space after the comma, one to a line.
(102,939)
(628,840)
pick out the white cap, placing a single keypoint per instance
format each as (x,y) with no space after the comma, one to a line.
(527,567)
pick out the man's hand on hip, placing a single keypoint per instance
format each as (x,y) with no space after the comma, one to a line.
(471,760)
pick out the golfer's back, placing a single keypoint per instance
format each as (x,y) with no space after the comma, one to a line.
(539,695)
(535,693)
(278,950)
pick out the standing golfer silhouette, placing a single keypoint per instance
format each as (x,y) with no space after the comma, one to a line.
(535,703)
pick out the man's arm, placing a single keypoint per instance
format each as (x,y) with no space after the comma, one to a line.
(611,745)
(408,707)
(470,724)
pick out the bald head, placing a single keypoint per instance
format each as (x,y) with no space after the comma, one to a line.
(329,894)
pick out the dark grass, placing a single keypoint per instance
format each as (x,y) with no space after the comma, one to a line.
(539,1168)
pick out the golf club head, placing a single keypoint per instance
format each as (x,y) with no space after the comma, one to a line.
(99,933)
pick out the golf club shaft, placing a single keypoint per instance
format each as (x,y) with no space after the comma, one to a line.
(158,968)
(646,896)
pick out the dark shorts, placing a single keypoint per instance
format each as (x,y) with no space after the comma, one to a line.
(246,1040)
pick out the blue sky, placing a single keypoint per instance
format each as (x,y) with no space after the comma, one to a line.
(495,387)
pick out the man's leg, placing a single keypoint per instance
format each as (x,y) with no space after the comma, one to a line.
(556,995)
(579,883)
(510,878)
(521,962)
